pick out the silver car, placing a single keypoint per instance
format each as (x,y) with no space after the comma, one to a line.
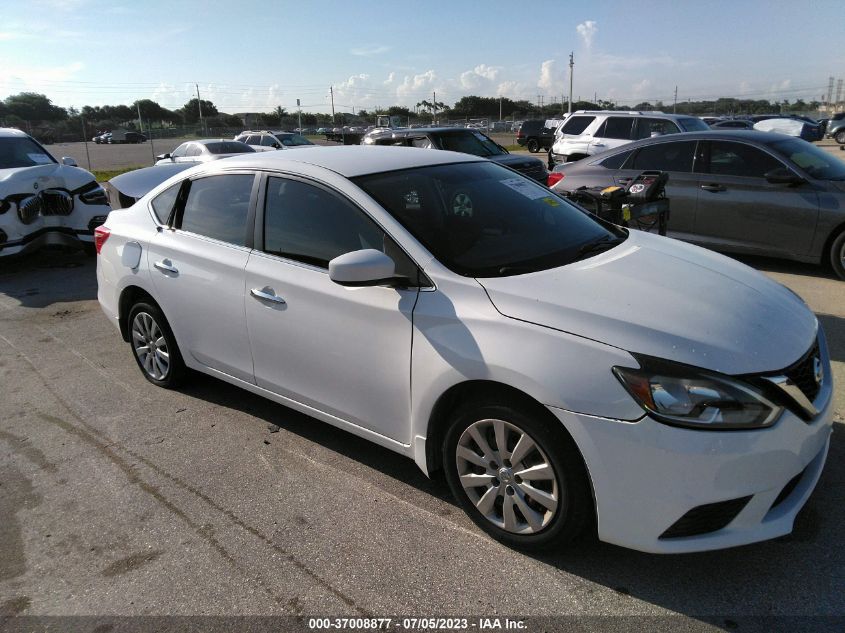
(204,150)
(743,191)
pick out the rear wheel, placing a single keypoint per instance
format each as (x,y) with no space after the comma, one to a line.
(839,137)
(533,145)
(837,255)
(154,346)
(519,478)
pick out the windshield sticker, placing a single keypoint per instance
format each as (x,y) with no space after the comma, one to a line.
(41,159)
(550,201)
(527,189)
(462,205)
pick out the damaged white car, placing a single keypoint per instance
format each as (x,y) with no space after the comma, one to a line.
(43,201)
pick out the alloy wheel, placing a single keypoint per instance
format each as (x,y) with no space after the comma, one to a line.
(150,346)
(507,476)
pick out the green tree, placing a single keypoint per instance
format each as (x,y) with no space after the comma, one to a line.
(32,106)
(191,111)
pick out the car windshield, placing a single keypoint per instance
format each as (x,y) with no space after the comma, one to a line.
(292,140)
(19,151)
(229,147)
(816,162)
(691,124)
(483,220)
(468,142)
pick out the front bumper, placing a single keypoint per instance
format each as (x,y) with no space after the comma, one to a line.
(647,476)
(73,230)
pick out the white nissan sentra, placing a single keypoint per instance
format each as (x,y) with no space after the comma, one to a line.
(561,371)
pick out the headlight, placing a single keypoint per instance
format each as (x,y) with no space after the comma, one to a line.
(94,195)
(680,395)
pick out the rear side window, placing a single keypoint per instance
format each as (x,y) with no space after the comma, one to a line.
(163,203)
(616,127)
(616,161)
(218,207)
(737,159)
(268,141)
(576,124)
(253,139)
(666,157)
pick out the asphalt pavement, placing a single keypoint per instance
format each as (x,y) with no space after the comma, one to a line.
(120,498)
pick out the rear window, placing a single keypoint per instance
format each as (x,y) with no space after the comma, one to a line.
(228,147)
(576,124)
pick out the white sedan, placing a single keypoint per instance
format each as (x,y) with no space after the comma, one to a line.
(560,370)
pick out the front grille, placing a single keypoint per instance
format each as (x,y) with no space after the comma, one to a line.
(707,518)
(56,202)
(803,373)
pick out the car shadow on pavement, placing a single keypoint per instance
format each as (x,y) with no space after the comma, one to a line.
(48,276)
(796,575)
(772,265)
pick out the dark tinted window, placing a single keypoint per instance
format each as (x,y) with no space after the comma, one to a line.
(253,139)
(293,140)
(616,127)
(311,225)
(268,141)
(738,159)
(812,159)
(576,124)
(676,156)
(163,203)
(482,220)
(616,161)
(648,127)
(468,142)
(691,124)
(218,206)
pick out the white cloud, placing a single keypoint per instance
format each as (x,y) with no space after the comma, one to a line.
(587,30)
(390,79)
(369,51)
(479,76)
(551,77)
(640,88)
(413,86)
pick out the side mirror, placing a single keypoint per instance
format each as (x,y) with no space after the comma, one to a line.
(367,267)
(277,146)
(70,162)
(163,156)
(783,176)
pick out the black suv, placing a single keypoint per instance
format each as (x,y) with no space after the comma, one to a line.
(458,139)
(534,135)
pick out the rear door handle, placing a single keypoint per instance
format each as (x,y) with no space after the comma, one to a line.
(166,266)
(266,294)
(714,187)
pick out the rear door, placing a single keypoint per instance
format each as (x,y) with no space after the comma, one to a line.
(677,159)
(614,132)
(739,210)
(344,351)
(197,267)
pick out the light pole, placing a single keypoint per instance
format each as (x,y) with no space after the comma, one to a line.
(571,72)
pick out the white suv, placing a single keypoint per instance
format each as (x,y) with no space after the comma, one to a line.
(588,132)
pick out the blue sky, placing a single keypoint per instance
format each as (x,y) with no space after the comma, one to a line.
(252,56)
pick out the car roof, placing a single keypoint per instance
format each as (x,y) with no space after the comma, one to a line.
(206,141)
(10,131)
(348,160)
(406,131)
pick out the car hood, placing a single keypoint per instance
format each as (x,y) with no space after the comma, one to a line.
(664,298)
(40,177)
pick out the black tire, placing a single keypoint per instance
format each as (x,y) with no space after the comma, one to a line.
(839,137)
(533,145)
(574,511)
(837,255)
(176,370)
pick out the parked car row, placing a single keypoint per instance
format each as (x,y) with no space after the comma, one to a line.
(119,136)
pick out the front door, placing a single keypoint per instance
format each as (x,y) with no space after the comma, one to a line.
(344,351)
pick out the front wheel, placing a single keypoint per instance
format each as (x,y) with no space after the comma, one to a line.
(533,145)
(519,477)
(837,255)
(154,346)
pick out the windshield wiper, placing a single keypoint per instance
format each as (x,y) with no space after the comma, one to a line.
(597,246)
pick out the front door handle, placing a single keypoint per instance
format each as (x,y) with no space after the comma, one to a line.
(266,294)
(714,187)
(166,266)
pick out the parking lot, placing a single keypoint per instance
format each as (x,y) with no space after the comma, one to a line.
(119,498)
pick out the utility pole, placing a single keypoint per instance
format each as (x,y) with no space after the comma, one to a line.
(571,72)
(299,109)
(500,108)
(433,107)
(140,121)
(675,103)
(85,140)
(331,92)
(199,105)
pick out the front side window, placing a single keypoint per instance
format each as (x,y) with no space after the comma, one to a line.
(269,141)
(737,159)
(617,127)
(311,225)
(483,220)
(677,156)
(692,124)
(576,124)
(20,151)
(193,150)
(423,142)
(180,151)
(648,127)
(253,139)
(813,160)
(294,140)
(218,206)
